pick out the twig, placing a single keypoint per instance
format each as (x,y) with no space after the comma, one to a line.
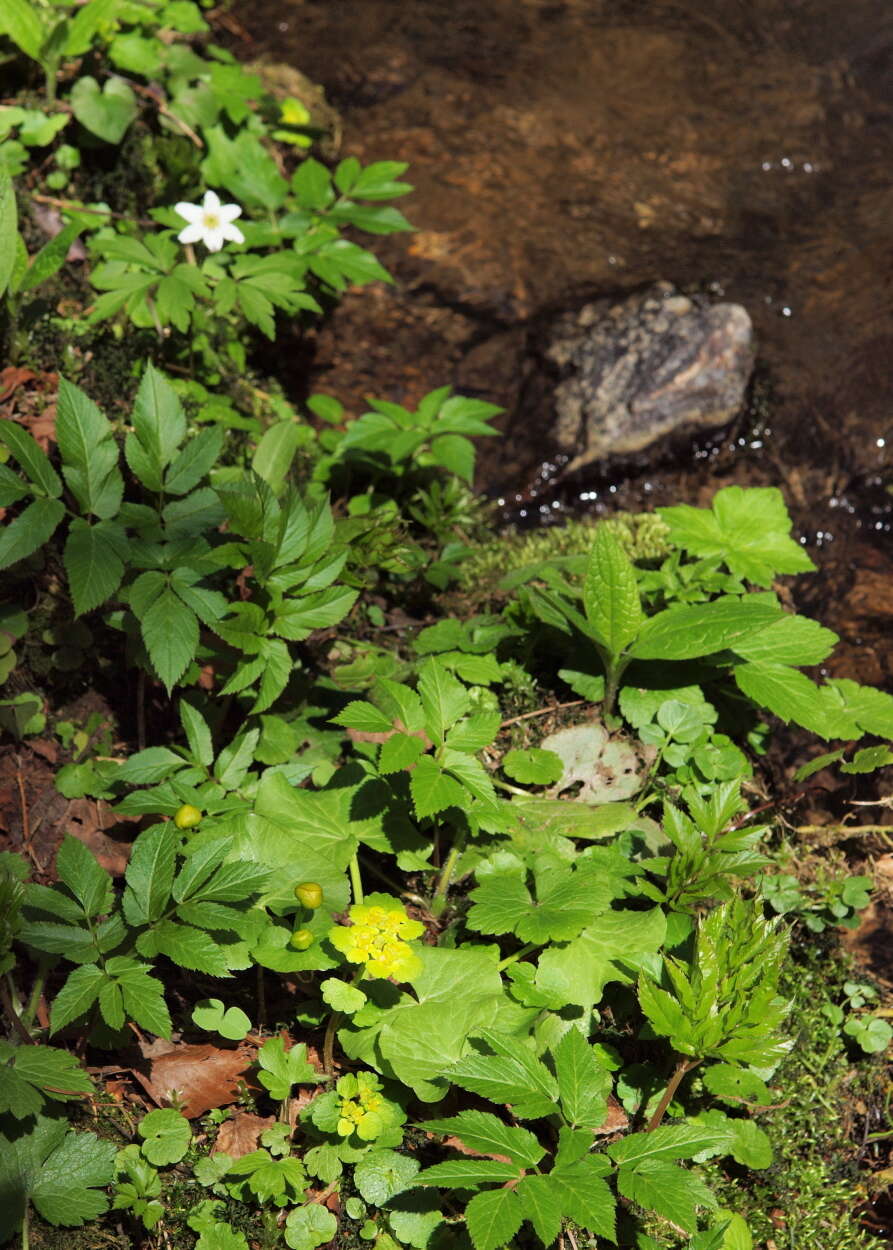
(23,803)
(683,1068)
(149,94)
(542,711)
(75,207)
(14,1018)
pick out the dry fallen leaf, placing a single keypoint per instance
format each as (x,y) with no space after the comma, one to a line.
(200,1077)
(240,1134)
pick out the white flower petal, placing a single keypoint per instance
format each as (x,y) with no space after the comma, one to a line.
(231,232)
(211,202)
(192,233)
(229,212)
(189,212)
(213,239)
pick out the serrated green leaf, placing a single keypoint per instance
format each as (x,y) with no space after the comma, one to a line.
(611,593)
(89,453)
(401,751)
(50,258)
(607,950)
(194,461)
(747,528)
(433,790)
(486,1133)
(143,995)
(76,996)
(668,1142)
(669,1190)
(685,632)
(198,733)
(150,874)
(281,1069)
(32,458)
(65,1190)
(584,1196)
(9,234)
(493,1218)
(583,1083)
(364,717)
(30,530)
(791,696)
(188,947)
(511,1075)
(793,640)
(872,709)
(92,559)
(170,632)
(158,420)
(444,699)
(540,1205)
(89,883)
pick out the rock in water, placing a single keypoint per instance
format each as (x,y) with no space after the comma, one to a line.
(656,364)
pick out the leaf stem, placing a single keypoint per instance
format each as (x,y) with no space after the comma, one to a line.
(15,1019)
(439,897)
(683,1067)
(356,881)
(36,990)
(519,954)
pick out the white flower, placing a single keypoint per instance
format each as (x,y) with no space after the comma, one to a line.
(210,222)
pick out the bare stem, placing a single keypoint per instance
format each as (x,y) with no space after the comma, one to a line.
(683,1067)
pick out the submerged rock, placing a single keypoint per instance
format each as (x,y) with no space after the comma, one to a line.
(658,363)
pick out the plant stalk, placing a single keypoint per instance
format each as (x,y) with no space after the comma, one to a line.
(356,881)
(683,1067)
(439,898)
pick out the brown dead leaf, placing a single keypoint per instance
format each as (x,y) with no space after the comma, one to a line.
(363,735)
(616,1119)
(467,1150)
(240,1134)
(11,378)
(86,820)
(201,1077)
(46,748)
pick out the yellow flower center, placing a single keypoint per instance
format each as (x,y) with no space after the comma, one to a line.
(211,221)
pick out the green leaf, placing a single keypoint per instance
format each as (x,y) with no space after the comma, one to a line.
(76,996)
(309,1226)
(89,453)
(89,883)
(540,1204)
(234,760)
(401,751)
(512,1074)
(669,1190)
(281,1069)
(33,460)
(669,1142)
(341,996)
(150,874)
(611,593)
(9,234)
(275,452)
(312,184)
(230,1022)
(158,421)
(583,1195)
(106,111)
(444,699)
(198,733)
(533,766)
(65,1190)
(20,21)
(486,1133)
(166,1136)
(686,632)
(194,461)
(50,258)
(92,559)
(86,22)
(748,529)
(300,617)
(583,1083)
(382,1174)
(433,790)
(30,530)
(791,640)
(364,717)
(468,1173)
(170,632)
(607,950)
(872,709)
(190,948)
(143,995)
(565,905)
(27,1073)
(791,696)
(493,1218)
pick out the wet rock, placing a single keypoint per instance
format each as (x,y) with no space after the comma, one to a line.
(658,363)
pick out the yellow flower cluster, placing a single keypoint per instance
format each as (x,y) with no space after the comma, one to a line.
(361,1114)
(377,938)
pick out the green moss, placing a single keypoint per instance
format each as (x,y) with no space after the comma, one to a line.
(643,536)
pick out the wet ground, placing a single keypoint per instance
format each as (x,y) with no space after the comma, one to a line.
(562,151)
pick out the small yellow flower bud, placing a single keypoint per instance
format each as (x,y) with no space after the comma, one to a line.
(301,939)
(187,817)
(309,894)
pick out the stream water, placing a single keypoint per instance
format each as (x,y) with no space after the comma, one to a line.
(562,151)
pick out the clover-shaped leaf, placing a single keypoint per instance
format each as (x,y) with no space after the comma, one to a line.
(211,1015)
